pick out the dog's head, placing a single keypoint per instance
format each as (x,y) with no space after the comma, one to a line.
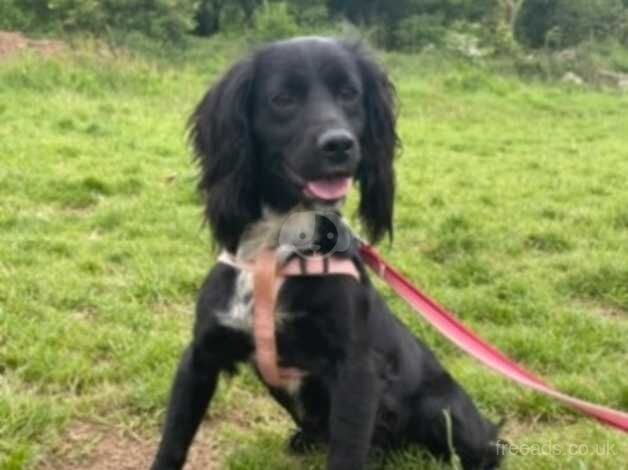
(294,124)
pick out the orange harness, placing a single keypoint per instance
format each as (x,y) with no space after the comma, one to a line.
(268,276)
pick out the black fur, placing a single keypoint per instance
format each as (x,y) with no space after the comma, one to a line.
(220,130)
(369,383)
(376,175)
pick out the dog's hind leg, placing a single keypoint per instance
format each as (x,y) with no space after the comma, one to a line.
(445,419)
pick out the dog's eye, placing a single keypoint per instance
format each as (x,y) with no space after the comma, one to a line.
(283,100)
(348,93)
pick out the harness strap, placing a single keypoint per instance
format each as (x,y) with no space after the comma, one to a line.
(268,276)
(307,266)
(265,289)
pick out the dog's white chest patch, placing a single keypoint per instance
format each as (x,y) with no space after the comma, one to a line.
(239,316)
(239,313)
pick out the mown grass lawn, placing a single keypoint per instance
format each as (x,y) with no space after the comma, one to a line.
(512,211)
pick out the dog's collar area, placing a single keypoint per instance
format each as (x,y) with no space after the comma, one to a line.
(301,266)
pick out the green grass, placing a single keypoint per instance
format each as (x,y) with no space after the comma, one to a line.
(512,211)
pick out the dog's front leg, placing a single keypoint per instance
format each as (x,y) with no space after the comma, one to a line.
(352,416)
(193,388)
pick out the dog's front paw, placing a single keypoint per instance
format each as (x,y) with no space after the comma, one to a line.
(302,442)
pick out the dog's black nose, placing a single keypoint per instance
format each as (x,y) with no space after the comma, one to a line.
(336,144)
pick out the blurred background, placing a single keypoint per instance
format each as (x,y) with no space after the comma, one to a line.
(598,29)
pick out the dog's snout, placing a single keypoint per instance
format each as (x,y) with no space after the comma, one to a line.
(336,143)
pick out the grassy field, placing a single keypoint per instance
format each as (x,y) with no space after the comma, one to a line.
(512,211)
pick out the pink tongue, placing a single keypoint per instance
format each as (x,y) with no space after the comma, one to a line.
(328,189)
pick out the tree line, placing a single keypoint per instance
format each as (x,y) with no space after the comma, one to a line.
(394,24)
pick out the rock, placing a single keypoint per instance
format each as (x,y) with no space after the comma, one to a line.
(614,79)
(568,55)
(572,78)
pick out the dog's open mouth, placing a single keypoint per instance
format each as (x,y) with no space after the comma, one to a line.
(328,189)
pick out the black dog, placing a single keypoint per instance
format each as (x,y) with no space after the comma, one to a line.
(283,133)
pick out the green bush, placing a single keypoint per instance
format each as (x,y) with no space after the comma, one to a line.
(565,23)
(622,30)
(167,19)
(309,13)
(274,21)
(502,40)
(418,31)
(14,17)
(580,20)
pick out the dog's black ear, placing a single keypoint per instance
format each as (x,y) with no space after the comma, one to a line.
(220,131)
(376,173)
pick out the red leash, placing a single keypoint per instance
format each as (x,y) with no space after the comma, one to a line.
(450,327)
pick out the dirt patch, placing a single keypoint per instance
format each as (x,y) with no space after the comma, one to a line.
(92,446)
(605,311)
(611,312)
(12,43)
